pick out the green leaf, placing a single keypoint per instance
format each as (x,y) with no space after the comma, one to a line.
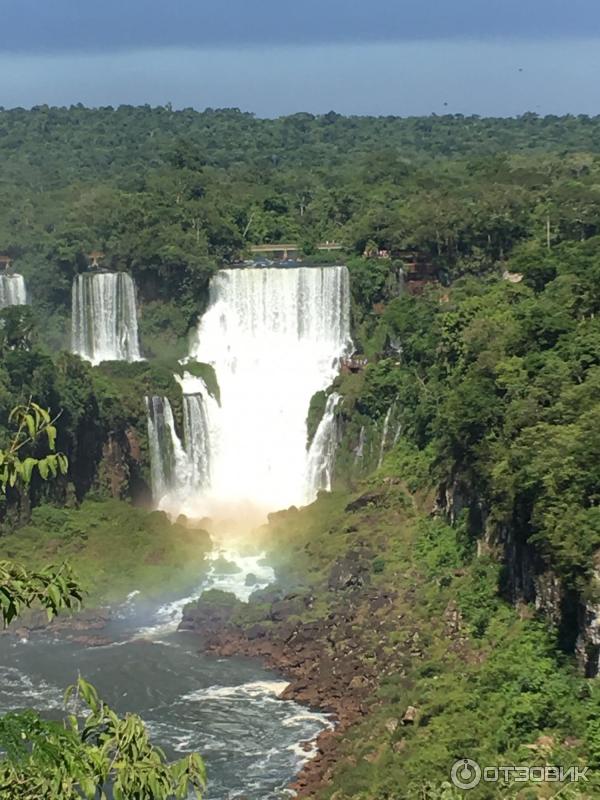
(28,466)
(51,433)
(43,468)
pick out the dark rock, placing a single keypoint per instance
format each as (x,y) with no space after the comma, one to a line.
(91,641)
(268,595)
(367,499)
(212,611)
(224,567)
(347,572)
(256,632)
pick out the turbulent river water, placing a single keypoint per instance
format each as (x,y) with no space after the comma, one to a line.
(226,709)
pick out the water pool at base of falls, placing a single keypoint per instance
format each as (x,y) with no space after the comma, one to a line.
(226,709)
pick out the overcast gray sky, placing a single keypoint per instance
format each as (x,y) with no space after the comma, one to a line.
(272,57)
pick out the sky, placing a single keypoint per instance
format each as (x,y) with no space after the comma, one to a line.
(272,57)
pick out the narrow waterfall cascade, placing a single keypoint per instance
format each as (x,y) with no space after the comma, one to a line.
(384,435)
(165,447)
(321,455)
(13,291)
(275,337)
(359,452)
(179,469)
(387,440)
(196,437)
(104,322)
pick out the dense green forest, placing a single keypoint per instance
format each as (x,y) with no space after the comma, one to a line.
(487,371)
(168,194)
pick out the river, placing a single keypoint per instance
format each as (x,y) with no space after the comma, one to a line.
(226,709)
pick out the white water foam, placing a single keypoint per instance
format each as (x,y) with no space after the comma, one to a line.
(18,690)
(104,321)
(12,291)
(168,616)
(274,337)
(256,689)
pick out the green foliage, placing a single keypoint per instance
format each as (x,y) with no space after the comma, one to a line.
(497,389)
(168,195)
(487,681)
(204,371)
(17,325)
(316,410)
(163,329)
(409,463)
(114,548)
(31,422)
(105,756)
(95,755)
(21,589)
(380,388)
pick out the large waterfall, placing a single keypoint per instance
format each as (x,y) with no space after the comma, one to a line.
(104,323)
(12,291)
(274,337)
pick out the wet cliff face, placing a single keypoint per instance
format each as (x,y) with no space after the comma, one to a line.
(117,467)
(588,627)
(527,577)
(123,470)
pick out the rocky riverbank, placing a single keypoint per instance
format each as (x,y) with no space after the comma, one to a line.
(332,638)
(324,661)
(382,617)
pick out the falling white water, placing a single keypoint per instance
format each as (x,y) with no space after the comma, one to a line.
(360,447)
(274,337)
(196,439)
(384,435)
(104,322)
(321,456)
(12,291)
(180,469)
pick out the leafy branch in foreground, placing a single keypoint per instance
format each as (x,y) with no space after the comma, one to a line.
(93,757)
(32,422)
(53,589)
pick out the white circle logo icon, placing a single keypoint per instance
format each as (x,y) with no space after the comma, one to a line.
(466,774)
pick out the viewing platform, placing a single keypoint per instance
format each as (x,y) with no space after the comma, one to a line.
(283,250)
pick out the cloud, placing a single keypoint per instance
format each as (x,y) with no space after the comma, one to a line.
(34,26)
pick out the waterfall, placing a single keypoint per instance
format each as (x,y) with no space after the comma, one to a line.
(274,337)
(196,436)
(321,455)
(104,323)
(12,291)
(360,447)
(178,469)
(384,435)
(165,447)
